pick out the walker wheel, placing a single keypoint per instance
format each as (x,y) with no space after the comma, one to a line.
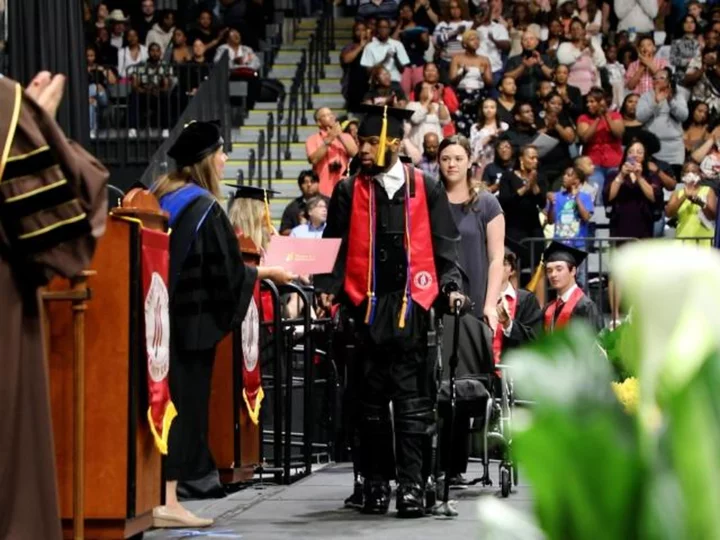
(504,481)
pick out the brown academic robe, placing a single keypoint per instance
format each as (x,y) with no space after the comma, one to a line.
(53,206)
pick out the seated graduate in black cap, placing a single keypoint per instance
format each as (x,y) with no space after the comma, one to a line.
(561,263)
(209,292)
(398,256)
(249,212)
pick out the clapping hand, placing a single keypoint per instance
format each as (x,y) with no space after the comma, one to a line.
(503,316)
(47,90)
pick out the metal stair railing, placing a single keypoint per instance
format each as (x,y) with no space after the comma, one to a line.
(310,69)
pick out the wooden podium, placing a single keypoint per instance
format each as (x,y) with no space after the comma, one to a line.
(121,481)
(233,438)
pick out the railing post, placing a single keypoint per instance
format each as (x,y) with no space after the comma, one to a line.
(268,146)
(307,103)
(260,155)
(278,137)
(251,166)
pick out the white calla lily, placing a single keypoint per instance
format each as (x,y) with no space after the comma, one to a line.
(674,290)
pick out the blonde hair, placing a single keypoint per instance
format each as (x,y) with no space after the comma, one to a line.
(467,34)
(248,215)
(203,173)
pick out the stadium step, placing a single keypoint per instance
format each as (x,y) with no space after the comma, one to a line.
(241,151)
(282,71)
(329,95)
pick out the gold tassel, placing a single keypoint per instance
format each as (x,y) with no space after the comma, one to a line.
(537,277)
(403,312)
(382,143)
(268,221)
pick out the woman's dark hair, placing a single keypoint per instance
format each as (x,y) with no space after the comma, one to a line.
(513,157)
(374,74)
(481,115)
(681,32)
(692,107)
(623,108)
(551,95)
(304,174)
(646,159)
(597,94)
(629,48)
(473,187)
(670,79)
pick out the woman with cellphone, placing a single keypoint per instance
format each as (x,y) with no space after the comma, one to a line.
(634,199)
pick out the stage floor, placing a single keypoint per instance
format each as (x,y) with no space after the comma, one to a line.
(312,508)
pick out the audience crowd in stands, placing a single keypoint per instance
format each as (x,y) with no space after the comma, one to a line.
(568,105)
(162,55)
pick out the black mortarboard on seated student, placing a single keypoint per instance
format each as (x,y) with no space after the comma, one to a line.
(384,122)
(255,193)
(557,252)
(196,141)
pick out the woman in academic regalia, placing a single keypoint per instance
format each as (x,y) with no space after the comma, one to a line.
(210,290)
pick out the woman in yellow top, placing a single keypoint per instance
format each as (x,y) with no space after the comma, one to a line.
(694,206)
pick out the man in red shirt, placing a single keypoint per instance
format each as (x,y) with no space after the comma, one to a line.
(329,151)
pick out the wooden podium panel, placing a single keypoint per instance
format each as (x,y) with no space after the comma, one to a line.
(122,466)
(234,440)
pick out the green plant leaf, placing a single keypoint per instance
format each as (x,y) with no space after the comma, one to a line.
(579,449)
(694,440)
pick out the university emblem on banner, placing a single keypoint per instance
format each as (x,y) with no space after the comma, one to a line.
(423,280)
(251,336)
(157,329)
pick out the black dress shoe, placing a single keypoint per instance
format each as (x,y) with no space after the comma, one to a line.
(355,500)
(377,497)
(410,501)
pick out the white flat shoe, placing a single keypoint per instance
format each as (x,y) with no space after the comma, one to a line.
(167,518)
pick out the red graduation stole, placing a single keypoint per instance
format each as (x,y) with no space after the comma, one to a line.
(421,284)
(565,311)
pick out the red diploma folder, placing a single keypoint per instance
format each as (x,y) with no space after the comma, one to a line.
(303,256)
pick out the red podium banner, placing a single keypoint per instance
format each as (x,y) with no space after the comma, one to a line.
(155,271)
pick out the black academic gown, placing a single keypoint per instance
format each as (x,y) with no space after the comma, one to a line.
(211,296)
(445,244)
(394,361)
(584,310)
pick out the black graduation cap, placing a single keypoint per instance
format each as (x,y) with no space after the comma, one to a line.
(384,122)
(557,252)
(406,159)
(196,141)
(252,192)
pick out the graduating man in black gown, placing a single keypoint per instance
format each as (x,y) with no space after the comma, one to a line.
(398,257)
(519,313)
(561,263)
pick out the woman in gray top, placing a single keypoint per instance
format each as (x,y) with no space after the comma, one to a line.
(663,112)
(481,223)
